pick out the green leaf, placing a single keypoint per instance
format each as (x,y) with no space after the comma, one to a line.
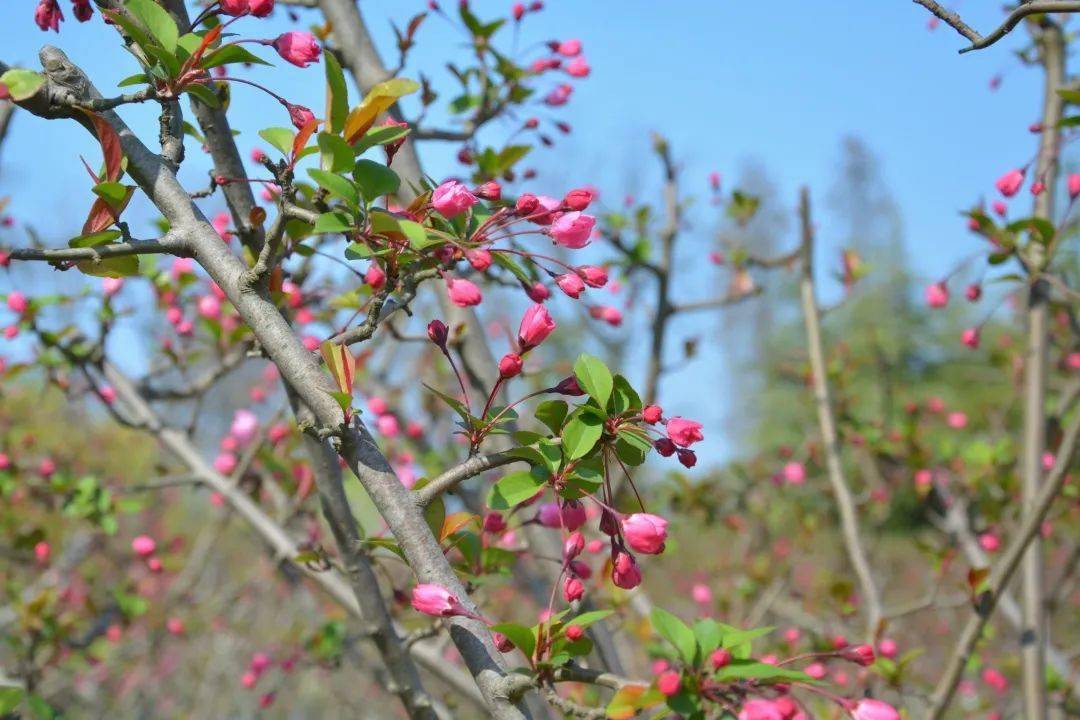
(113,193)
(738,641)
(624,397)
(375,179)
(584,620)
(580,435)
(417,235)
(155,19)
(227,54)
(336,185)
(204,94)
(524,638)
(676,632)
(93,239)
(332,222)
(111,267)
(337,155)
(513,489)
(10,697)
(754,670)
(552,413)
(594,378)
(21,83)
(281,138)
(131,80)
(709,635)
(632,447)
(381,135)
(337,95)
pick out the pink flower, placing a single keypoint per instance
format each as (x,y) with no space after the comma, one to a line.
(479,259)
(452,198)
(594,276)
(249,679)
(143,546)
(225,463)
(42,551)
(436,600)
(298,48)
(859,654)
(299,115)
(578,67)
(956,420)
(761,709)
(989,542)
(645,533)
(462,292)
(868,709)
(995,679)
(701,594)
(652,414)
(261,8)
(719,658)
(795,473)
(573,589)
(175,626)
(624,571)
(510,366)
(569,48)
(375,276)
(937,295)
(683,432)
(607,313)
(970,337)
(244,426)
(209,307)
(537,292)
(17,302)
(573,546)
(887,647)
(1048,461)
(1010,183)
(48,15)
(578,199)
(234,7)
(669,682)
(571,284)
(388,426)
(714,181)
(535,326)
(815,670)
(973,292)
(573,515)
(559,96)
(1074,185)
(572,229)
(999,208)
(110,286)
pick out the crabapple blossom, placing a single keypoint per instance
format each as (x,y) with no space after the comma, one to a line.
(535,326)
(572,229)
(297,47)
(869,709)
(683,432)
(462,292)
(1010,183)
(645,532)
(452,198)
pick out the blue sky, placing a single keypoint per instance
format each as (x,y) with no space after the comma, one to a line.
(724,81)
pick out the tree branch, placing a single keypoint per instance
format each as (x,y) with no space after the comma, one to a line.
(841,492)
(453,477)
(171,244)
(1023,10)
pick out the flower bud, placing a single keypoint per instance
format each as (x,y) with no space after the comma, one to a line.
(438,333)
(526,204)
(510,366)
(652,414)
